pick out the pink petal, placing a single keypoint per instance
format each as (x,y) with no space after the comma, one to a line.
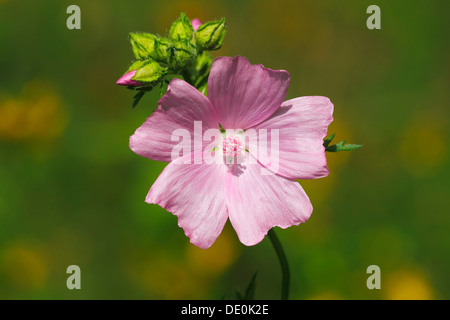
(126,80)
(302,124)
(196,194)
(178,109)
(244,94)
(258,202)
(196,23)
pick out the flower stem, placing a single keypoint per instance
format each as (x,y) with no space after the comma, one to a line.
(283,262)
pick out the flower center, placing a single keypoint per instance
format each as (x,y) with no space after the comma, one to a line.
(232,146)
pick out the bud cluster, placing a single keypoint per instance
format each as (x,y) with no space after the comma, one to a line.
(177,54)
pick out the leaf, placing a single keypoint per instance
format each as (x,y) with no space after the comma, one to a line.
(137,97)
(250,291)
(238,295)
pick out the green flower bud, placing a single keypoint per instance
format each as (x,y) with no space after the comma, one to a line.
(143,45)
(181,29)
(149,71)
(209,36)
(182,55)
(162,49)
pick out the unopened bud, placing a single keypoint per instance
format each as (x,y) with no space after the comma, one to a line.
(182,55)
(209,36)
(143,45)
(149,71)
(181,29)
(126,80)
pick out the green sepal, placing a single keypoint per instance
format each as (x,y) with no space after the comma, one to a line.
(209,36)
(341,146)
(136,65)
(150,71)
(327,141)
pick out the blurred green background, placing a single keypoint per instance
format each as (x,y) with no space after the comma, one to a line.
(72,192)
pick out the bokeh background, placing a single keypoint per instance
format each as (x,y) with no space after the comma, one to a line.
(72,192)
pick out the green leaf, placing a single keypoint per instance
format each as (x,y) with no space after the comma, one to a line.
(209,36)
(181,29)
(137,97)
(238,295)
(250,291)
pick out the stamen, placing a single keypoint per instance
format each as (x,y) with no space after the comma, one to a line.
(232,146)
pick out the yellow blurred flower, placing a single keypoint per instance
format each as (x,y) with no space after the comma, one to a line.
(407,285)
(24,266)
(165,274)
(423,147)
(37,115)
(215,259)
(327,296)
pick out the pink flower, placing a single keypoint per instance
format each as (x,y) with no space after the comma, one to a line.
(204,195)
(196,23)
(126,80)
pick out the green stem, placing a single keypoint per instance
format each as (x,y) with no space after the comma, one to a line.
(283,262)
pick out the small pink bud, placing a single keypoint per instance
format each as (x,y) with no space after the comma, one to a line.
(126,80)
(196,23)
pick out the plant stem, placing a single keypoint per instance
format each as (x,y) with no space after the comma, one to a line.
(283,262)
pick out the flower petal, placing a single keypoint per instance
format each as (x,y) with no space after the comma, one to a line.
(196,194)
(302,124)
(258,202)
(177,109)
(244,94)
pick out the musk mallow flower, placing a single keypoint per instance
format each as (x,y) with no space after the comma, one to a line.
(204,195)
